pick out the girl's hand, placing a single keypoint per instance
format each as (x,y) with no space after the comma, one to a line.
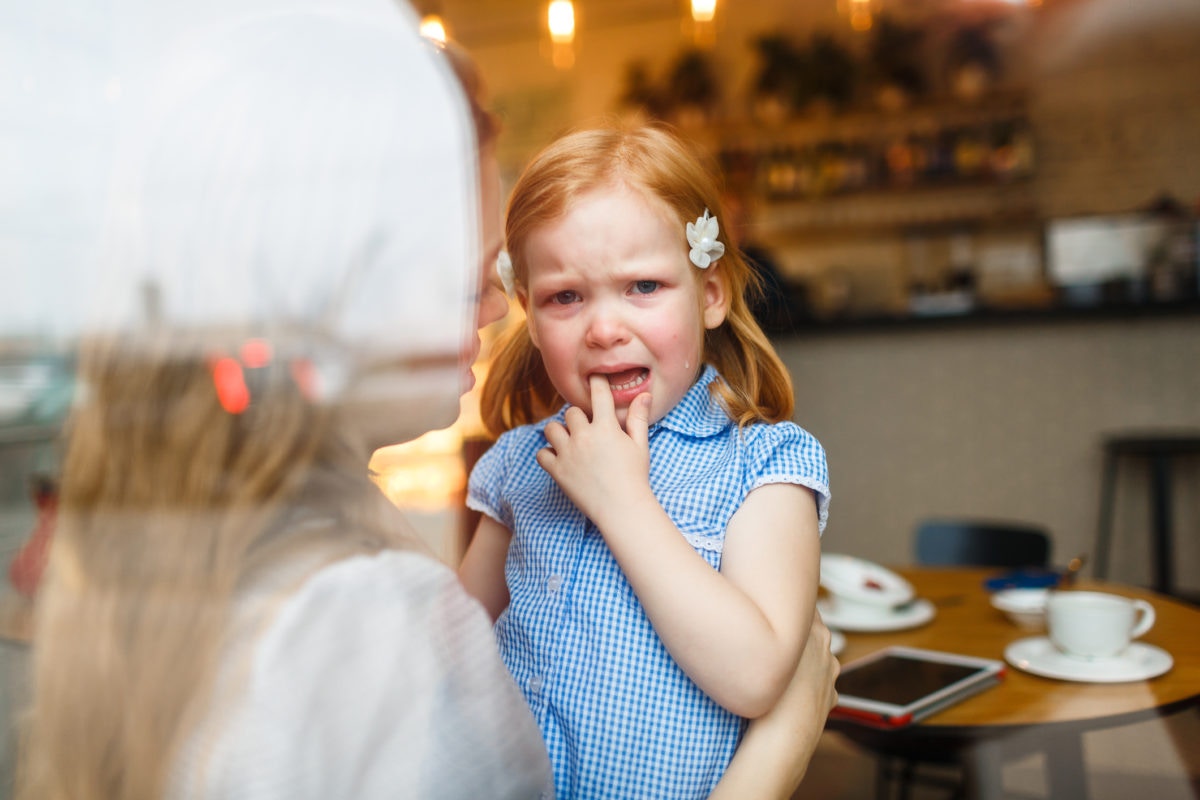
(597,464)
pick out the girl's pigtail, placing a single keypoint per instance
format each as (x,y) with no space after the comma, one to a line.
(517,390)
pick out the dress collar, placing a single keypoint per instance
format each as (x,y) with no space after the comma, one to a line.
(699,413)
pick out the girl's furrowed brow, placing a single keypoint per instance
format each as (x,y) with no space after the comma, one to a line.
(639,271)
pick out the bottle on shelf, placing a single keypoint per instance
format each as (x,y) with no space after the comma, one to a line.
(970,154)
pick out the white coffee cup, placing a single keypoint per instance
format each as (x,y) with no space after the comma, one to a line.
(1095,624)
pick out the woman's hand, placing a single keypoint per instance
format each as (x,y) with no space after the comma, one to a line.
(774,754)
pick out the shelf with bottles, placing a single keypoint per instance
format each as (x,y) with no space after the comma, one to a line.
(918,209)
(932,146)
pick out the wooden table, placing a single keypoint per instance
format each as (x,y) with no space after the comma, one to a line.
(1026,712)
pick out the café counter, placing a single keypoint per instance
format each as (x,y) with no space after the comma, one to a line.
(982,316)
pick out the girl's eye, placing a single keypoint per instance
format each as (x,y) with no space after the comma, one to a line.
(645,287)
(565,298)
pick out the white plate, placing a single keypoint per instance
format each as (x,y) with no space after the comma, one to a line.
(863,581)
(1039,656)
(906,616)
(837,642)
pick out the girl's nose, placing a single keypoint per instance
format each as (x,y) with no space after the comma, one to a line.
(606,328)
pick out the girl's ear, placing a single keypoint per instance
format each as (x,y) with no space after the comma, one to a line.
(715,293)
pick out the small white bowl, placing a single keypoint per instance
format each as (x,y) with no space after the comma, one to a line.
(1025,607)
(860,584)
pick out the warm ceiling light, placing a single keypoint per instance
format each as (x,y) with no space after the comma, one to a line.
(860,15)
(432,27)
(704,10)
(562,21)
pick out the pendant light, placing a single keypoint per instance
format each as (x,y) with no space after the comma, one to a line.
(703,27)
(560,18)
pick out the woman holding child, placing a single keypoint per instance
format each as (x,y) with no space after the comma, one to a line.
(232,609)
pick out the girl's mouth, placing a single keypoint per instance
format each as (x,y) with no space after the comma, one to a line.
(628,379)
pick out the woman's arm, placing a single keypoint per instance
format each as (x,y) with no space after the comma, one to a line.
(775,752)
(482,567)
(385,682)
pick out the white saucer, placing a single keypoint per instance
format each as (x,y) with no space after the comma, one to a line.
(837,642)
(1039,656)
(908,616)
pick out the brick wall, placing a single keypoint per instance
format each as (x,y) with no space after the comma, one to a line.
(1116,105)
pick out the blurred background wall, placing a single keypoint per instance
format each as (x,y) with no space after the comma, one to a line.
(998,420)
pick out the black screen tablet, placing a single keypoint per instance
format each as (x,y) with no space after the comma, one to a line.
(900,685)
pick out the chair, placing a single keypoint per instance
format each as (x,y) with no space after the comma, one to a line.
(981,544)
(1160,449)
(951,542)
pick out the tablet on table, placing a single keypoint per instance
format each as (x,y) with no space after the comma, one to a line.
(897,686)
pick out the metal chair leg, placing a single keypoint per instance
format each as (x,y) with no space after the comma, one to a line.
(1160,520)
(1108,485)
(906,779)
(883,778)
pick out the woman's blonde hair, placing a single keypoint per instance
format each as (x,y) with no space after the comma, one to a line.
(462,64)
(172,505)
(658,163)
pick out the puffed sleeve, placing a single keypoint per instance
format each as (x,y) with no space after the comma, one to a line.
(486,484)
(786,453)
(378,678)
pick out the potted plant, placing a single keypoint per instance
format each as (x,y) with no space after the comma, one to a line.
(692,90)
(640,92)
(895,64)
(829,74)
(973,63)
(775,85)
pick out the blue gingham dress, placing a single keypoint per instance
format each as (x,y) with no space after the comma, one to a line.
(619,717)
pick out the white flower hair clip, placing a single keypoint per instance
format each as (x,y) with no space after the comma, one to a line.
(504,269)
(702,236)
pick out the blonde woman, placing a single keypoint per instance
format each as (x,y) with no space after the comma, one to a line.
(232,609)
